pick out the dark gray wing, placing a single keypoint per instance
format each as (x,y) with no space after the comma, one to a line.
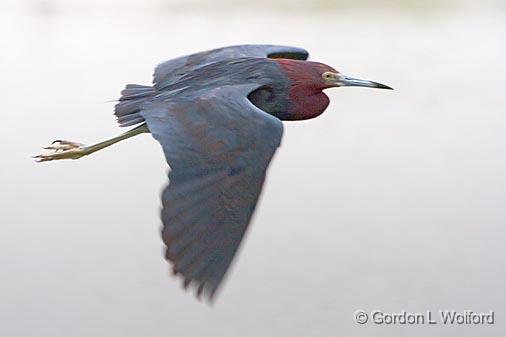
(218,147)
(170,71)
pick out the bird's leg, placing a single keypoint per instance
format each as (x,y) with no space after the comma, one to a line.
(64,149)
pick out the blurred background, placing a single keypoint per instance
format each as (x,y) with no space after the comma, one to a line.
(390,200)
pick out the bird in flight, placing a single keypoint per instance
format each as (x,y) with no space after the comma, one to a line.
(218,117)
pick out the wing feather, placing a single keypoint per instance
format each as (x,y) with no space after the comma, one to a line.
(218,146)
(170,71)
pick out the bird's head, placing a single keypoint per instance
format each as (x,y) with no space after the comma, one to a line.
(321,76)
(308,79)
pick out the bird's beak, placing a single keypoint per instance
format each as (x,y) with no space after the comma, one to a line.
(346,81)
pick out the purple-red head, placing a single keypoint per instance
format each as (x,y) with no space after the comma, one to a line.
(308,79)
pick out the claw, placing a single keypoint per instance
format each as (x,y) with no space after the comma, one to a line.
(66,142)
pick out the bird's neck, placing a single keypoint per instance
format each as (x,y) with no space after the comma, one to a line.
(306,102)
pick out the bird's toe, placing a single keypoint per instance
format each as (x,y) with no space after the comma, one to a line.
(61,149)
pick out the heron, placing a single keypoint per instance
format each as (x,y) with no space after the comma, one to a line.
(218,116)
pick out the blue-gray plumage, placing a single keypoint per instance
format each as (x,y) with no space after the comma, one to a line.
(218,117)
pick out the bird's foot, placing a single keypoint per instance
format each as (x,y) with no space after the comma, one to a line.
(62,149)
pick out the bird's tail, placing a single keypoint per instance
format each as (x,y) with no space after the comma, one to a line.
(128,109)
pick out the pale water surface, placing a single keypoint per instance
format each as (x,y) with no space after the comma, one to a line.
(391,200)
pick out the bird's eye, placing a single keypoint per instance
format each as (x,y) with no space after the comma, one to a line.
(327,75)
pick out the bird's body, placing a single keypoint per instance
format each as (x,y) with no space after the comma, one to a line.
(283,86)
(217,115)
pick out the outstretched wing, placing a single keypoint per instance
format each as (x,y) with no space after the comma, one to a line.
(170,71)
(218,147)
